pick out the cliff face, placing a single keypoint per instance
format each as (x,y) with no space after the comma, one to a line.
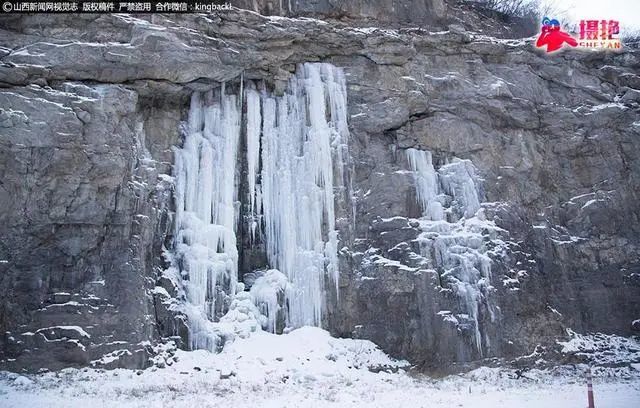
(378,11)
(92,105)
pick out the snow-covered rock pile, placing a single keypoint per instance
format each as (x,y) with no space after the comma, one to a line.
(602,349)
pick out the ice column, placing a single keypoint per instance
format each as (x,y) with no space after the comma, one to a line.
(205,239)
(304,137)
(426,182)
(254,123)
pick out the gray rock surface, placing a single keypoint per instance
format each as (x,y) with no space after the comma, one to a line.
(91,105)
(380,11)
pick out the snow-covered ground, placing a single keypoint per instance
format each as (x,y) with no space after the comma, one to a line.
(308,368)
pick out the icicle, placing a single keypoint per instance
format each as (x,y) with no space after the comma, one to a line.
(426,182)
(253,157)
(241,102)
(304,138)
(205,193)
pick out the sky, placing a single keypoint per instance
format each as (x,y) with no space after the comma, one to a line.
(627,12)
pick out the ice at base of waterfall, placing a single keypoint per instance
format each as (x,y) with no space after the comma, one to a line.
(269,292)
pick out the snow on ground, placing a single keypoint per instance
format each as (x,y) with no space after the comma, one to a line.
(602,349)
(308,368)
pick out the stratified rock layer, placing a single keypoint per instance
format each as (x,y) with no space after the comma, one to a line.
(90,107)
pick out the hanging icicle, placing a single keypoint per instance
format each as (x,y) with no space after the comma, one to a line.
(304,135)
(205,243)
(254,122)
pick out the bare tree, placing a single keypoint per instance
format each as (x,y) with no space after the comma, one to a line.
(631,38)
(516,8)
(528,8)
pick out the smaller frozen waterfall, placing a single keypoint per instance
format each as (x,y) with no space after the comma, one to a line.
(452,234)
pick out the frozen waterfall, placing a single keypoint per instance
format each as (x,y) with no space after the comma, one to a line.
(452,234)
(304,135)
(295,148)
(205,238)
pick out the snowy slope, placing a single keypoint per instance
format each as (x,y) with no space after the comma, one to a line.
(309,368)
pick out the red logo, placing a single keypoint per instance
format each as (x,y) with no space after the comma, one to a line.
(552,36)
(594,35)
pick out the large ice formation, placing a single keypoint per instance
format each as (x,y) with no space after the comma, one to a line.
(304,135)
(295,149)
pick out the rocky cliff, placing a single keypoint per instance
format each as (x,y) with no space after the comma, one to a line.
(93,104)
